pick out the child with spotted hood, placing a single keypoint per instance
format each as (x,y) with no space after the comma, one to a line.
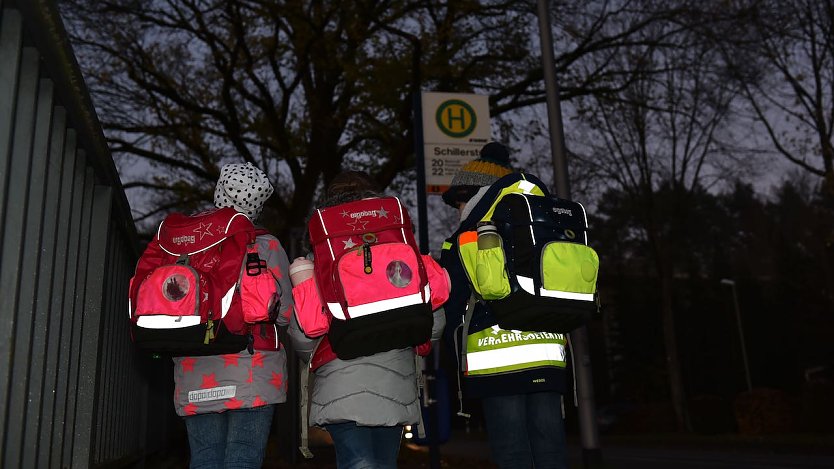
(228,401)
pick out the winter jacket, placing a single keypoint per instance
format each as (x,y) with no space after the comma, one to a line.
(217,383)
(521,381)
(377,390)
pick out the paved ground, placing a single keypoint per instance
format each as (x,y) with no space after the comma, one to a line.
(469,451)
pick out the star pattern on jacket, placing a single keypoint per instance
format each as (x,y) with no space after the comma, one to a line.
(233,403)
(190,409)
(277,380)
(230,359)
(274,245)
(258,402)
(276,271)
(258,360)
(209,381)
(188,364)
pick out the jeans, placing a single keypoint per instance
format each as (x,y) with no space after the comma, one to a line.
(526,430)
(365,447)
(232,439)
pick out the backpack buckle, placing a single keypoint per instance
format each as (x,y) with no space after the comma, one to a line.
(254,264)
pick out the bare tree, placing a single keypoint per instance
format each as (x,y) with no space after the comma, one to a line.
(303,88)
(662,134)
(782,53)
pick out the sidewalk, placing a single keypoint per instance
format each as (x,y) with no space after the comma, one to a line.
(643,451)
(639,451)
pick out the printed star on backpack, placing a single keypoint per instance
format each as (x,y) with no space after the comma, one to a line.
(355,224)
(204,230)
(383,213)
(349,243)
(344,214)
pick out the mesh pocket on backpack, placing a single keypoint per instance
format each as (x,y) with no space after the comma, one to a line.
(490,274)
(569,268)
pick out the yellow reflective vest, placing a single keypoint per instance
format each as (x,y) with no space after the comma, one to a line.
(494,350)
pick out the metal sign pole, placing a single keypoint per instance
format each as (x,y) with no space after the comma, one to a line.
(589,436)
(419,153)
(423,233)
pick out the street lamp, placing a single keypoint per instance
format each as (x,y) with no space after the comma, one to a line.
(732,285)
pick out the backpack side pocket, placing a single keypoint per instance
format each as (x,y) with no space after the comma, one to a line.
(491,273)
(569,269)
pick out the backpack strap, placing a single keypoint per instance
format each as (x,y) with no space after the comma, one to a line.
(303,389)
(467,318)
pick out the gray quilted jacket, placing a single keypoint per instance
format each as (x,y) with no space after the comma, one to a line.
(380,390)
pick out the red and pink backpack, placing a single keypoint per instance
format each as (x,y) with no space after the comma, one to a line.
(371,277)
(200,285)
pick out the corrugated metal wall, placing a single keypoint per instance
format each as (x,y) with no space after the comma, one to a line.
(72,391)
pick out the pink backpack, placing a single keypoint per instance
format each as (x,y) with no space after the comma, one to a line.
(371,277)
(200,285)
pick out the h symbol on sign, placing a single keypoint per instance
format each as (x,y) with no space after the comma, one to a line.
(460,117)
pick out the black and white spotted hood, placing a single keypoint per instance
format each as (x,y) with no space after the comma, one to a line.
(242,187)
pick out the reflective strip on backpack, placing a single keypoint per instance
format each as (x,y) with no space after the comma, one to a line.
(226,302)
(323,227)
(167,322)
(515,358)
(526,283)
(336,310)
(379,306)
(567,295)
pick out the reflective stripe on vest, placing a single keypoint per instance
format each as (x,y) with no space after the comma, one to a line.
(496,350)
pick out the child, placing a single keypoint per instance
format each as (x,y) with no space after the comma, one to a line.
(363,402)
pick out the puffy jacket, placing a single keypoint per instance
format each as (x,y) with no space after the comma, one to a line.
(378,390)
(217,383)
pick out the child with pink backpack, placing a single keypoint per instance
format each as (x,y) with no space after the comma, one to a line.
(369,304)
(228,401)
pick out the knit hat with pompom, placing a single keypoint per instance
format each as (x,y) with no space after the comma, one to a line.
(492,165)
